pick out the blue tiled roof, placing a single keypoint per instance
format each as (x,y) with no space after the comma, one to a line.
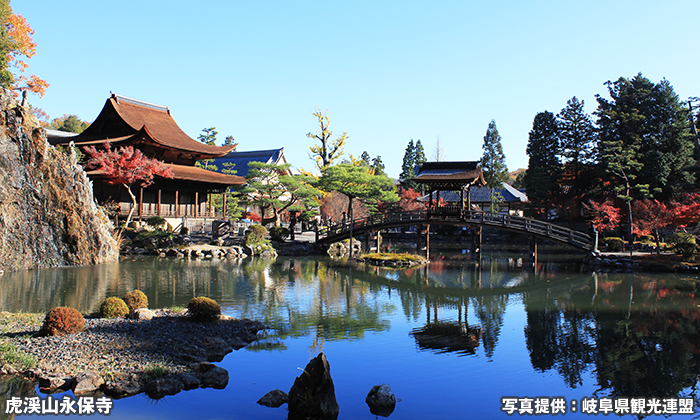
(483,195)
(240,160)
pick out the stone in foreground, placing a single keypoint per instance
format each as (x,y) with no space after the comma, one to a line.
(313,393)
(381,400)
(274,398)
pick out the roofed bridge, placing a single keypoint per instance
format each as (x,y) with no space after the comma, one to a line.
(453,215)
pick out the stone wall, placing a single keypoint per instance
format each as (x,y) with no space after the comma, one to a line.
(48,216)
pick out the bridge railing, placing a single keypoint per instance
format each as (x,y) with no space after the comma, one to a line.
(537,227)
(522,224)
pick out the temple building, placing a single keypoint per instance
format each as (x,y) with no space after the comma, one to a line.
(151,128)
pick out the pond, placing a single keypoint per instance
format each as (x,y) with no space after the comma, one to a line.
(452,339)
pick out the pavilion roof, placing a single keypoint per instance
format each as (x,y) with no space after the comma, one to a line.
(450,175)
(126,121)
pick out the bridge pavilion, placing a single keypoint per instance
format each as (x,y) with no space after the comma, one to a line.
(151,128)
(449,176)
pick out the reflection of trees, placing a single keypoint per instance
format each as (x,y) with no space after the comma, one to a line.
(490,310)
(641,334)
(82,288)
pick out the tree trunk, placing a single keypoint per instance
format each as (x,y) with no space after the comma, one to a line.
(133,200)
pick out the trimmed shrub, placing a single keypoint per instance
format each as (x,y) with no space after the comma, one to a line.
(255,235)
(613,244)
(113,307)
(684,244)
(61,321)
(156,222)
(204,309)
(136,299)
(279,233)
(184,231)
(647,239)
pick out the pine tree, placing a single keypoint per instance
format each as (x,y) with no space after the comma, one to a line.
(645,142)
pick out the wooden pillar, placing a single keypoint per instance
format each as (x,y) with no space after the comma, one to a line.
(419,230)
(427,242)
(177,203)
(223,210)
(158,208)
(430,202)
(469,198)
(533,251)
(196,204)
(211,205)
(140,201)
(379,240)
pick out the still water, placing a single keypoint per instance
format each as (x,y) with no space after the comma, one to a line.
(451,339)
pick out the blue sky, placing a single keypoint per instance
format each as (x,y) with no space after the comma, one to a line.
(386,71)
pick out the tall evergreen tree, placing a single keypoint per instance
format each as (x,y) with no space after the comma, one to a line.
(544,169)
(645,142)
(419,154)
(493,160)
(408,165)
(493,163)
(578,144)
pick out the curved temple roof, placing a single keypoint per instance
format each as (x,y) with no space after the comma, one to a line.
(124,120)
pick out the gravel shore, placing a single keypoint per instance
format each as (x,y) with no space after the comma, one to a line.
(117,349)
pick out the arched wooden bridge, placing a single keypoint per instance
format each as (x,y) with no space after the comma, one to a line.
(454,216)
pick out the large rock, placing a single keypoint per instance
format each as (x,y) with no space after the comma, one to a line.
(381,400)
(313,392)
(49,214)
(87,382)
(160,387)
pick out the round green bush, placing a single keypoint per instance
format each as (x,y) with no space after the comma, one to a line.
(136,299)
(254,235)
(647,239)
(156,222)
(279,233)
(62,320)
(204,309)
(113,307)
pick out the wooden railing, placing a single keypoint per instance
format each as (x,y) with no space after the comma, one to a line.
(455,216)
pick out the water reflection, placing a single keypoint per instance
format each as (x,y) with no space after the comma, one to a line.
(634,335)
(639,334)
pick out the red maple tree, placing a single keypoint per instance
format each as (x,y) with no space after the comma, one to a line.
(605,216)
(408,200)
(126,166)
(686,211)
(649,217)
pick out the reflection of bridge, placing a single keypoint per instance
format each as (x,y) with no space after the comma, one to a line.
(453,215)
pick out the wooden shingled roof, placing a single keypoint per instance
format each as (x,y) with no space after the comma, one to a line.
(127,121)
(450,175)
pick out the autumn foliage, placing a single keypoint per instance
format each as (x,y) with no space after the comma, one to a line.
(15,43)
(604,216)
(126,166)
(408,200)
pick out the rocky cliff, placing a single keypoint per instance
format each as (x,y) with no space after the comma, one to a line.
(48,216)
